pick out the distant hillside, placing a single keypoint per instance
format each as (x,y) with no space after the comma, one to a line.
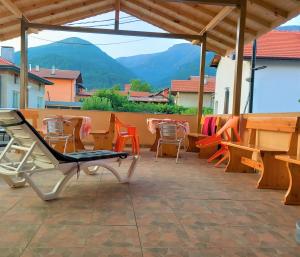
(289,28)
(98,69)
(178,62)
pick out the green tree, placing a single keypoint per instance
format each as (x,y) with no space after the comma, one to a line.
(139,85)
(116,87)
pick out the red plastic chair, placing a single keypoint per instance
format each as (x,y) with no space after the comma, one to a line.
(222,134)
(125,132)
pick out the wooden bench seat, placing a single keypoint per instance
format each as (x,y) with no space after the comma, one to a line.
(267,138)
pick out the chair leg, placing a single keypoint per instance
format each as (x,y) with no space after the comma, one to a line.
(178,150)
(225,157)
(157,150)
(121,144)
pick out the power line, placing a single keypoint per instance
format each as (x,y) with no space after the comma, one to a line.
(87,22)
(106,25)
(88,44)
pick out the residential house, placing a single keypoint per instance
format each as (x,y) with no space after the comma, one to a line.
(161,96)
(67,84)
(186,91)
(10,83)
(277,75)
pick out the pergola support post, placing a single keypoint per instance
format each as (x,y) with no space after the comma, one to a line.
(24,65)
(202,81)
(242,8)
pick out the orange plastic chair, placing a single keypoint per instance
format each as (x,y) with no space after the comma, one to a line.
(222,134)
(125,132)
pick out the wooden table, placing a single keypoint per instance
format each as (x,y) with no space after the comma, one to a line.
(292,195)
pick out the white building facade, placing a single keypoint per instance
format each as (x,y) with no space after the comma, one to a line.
(276,81)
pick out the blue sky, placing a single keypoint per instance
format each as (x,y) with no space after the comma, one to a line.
(136,45)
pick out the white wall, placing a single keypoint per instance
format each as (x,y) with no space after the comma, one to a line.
(191,99)
(277,88)
(225,79)
(8,85)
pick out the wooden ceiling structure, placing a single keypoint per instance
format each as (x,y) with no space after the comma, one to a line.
(218,25)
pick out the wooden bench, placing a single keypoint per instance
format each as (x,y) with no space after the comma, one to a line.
(194,137)
(268,137)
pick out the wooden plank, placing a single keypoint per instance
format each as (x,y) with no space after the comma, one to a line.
(201,84)
(209,2)
(217,19)
(270,8)
(117,14)
(114,32)
(24,65)
(9,5)
(239,58)
(276,124)
(251,163)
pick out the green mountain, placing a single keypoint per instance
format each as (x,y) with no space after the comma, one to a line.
(178,62)
(294,28)
(98,69)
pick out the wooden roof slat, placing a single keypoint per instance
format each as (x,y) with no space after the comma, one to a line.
(9,5)
(176,19)
(270,8)
(217,19)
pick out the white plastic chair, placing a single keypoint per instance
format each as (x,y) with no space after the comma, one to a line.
(171,133)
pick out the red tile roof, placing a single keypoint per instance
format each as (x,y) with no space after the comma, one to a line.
(192,85)
(5,62)
(15,68)
(277,44)
(59,74)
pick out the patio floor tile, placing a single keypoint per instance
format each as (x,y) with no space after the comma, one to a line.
(57,236)
(190,209)
(113,237)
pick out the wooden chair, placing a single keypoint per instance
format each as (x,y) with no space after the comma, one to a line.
(103,139)
(268,137)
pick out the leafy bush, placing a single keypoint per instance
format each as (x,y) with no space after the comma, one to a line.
(110,100)
(139,85)
(97,103)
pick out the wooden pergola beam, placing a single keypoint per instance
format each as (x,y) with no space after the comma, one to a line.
(217,19)
(117,14)
(210,2)
(202,82)
(24,65)
(114,32)
(239,58)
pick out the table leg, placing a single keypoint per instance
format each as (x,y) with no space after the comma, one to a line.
(292,196)
(154,146)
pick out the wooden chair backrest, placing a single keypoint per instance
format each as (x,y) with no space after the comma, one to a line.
(31,116)
(272,132)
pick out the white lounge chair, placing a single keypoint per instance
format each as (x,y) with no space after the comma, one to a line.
(38,156)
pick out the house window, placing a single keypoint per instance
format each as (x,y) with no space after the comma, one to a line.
(226,101)
(16,99)
(40,102)
(16,78)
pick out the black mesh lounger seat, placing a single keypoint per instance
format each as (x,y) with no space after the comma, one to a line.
(39,156)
